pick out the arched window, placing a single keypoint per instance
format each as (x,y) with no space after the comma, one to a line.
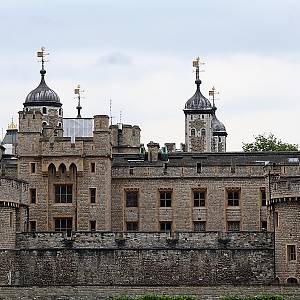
(44,124)
(44,110)
(59,124)
(51,170)
(193,132)
(62,169)
(292,280)
(60,111)
(203,132)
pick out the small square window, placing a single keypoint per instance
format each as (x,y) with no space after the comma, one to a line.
(131,171)
(93,167)
(93,195)
(32,195)
(233,198)
(132,199)
(165,198)
(92,225)
(32,168)
(32,226)
(291,252)
(199,198)
(165,226)
(233,225)
(132,226)
(199,226)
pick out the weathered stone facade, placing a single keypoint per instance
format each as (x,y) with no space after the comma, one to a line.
(99,208)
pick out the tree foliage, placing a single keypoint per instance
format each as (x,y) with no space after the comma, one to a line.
(269,142)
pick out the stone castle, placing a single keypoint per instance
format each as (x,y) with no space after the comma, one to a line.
(83,202)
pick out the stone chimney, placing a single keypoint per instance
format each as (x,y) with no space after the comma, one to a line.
(153,150)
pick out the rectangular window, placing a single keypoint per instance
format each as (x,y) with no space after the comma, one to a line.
(63,224)
(32,226)
(93,195)
(264,225)
(263,197)
(10,219)
(63,193)
(233,225)
(199,167)
(130,171)
(199,226)
(276,219)
(165,199)
(165,226)
(92,225)
(32,195)
(32,168)
(93,167)
(132,226)
(233,198)
(131,198)
(291,252)
(199,198)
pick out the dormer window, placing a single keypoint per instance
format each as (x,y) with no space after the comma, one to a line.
(44,110)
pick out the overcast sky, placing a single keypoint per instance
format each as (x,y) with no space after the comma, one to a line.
(139,54)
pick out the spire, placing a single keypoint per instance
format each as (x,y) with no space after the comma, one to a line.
(12,125)
(77,92)
(196,64)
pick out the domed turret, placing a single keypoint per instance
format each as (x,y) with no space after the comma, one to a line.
(217,126)
(42,95)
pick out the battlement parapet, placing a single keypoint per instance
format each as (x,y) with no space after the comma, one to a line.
(146,240)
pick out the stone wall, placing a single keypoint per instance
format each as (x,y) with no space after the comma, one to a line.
(143,258)
(92,292)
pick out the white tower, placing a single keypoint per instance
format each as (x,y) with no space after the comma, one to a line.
(203,131)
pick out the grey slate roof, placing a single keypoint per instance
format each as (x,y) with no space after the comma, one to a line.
(42,95)
(217,125)
(198,101)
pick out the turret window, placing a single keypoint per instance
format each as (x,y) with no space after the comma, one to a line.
(193,132)
(44,110)
(203,132)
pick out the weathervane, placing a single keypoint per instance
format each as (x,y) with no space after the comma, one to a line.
(213,93)
(196,64)
(110,112)
(78,91)
(42,54)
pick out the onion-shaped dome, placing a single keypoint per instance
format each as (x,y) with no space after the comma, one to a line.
(198,101)
(217,126)
(42,95)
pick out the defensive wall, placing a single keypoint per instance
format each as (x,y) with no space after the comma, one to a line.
(141,259)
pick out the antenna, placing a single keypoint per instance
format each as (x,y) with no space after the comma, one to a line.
(212,93)
(110,112)
(42,54)
(78,91)
(120,117)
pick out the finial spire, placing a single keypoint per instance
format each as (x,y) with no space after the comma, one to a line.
(78,91)
(12,125)
(42,54)
(213,93)
(196,64)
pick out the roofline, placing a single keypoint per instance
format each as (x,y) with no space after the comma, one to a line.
(198,111)
(42,103)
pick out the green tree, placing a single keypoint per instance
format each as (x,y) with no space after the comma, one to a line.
(269,142)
